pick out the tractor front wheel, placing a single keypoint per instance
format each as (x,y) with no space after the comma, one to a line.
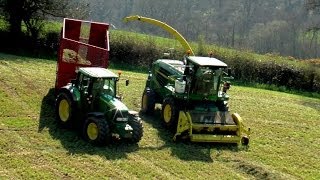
(96,131)
(170,113)
(137,127)
(64,110)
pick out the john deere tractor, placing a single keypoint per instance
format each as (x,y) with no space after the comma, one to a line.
(86,92)
(90,103)
(194,99)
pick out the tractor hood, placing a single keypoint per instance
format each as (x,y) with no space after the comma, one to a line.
(112,103)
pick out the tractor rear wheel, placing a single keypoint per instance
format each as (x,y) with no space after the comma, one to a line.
(137,127)
(65,109)
(96,131)
(148,102)
(170,113)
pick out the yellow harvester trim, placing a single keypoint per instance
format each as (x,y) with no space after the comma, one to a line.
(185,125)
(164,26)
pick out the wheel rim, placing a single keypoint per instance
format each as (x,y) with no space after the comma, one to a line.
(64,110)
(167,113)
(92,131)
(144,102)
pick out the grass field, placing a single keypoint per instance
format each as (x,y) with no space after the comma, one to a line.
(284,144)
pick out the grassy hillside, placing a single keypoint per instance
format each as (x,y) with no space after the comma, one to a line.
(284,143)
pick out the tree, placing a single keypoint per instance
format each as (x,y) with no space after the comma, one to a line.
(313,5)
(33,12)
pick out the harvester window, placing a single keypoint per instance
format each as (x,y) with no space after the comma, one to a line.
(205,81)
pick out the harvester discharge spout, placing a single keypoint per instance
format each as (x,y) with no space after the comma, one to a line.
(164,26)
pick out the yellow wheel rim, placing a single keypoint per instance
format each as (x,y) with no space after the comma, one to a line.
(64,110)
(167,113)
(144,102)
(92,131)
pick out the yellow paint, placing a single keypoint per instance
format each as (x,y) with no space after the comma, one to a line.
(166,27)
(185,124)
(64,110)
(167,113)
(92,131)
(144,102)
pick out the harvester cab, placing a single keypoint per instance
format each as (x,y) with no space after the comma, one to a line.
(86,92)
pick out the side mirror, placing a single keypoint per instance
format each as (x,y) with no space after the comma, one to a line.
(127,82)
(229,72)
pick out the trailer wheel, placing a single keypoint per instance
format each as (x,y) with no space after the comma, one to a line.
(170,113)
(137,127)
(64,110)
(96,131)
(148,102)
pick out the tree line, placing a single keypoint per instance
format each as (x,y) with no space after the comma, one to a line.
(285,27)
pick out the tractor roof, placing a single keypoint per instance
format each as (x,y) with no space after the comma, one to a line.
(206,61)
(97,72)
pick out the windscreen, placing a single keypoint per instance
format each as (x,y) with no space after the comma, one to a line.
(207,81)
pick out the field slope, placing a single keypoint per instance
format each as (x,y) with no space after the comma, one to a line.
(284,144)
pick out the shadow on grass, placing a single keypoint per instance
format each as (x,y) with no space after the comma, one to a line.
(71,139)
(184,149)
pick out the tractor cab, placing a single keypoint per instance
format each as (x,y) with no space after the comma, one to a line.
(94,80)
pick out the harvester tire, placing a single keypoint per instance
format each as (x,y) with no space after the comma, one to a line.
(170,114)
(137,127)
(148,102)
(96,131)
(65,110)
(245,141)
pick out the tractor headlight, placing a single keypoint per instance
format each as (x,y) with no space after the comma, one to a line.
(121,119)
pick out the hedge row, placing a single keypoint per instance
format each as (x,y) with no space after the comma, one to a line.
(138,51)
(272,70)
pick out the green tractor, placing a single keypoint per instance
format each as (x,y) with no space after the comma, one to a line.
(90,103)
(194,99)
(86,92)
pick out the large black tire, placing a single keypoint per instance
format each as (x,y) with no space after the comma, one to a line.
(148,102)
(65,110)
(170,114)
(96,131)
(137,127)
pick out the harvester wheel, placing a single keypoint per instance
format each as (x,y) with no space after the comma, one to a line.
(245,140)
(96,131)
(137,127)
(64,110)
(148,102)
(170,113)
